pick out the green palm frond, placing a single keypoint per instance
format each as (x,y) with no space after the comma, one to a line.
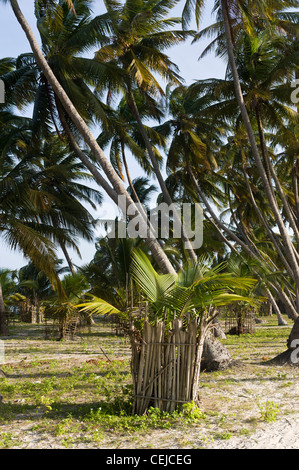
(98,306)
(153,285)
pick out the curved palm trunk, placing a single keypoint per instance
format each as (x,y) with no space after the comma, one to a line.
(274,176)
(292,259)
(68,258)
(70,109)
(296,192)
(248,249)
(152,244)
(266,226)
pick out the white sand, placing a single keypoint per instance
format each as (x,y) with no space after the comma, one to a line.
(283,434)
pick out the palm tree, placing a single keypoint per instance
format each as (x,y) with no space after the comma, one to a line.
(194,136)
(41,195)
(109,273)
(190,118)
(34,287)
(117,187)
(261,72)
(7,290)
(227,23)
(19,226)
(57,178)
(123,136)
(237,12)
(193,294)
(64,307)
(52,177)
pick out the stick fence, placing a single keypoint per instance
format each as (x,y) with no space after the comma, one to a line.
(165,365)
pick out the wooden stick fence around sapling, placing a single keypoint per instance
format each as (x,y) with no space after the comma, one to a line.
(166,364)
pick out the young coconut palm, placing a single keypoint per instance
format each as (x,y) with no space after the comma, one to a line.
(189,298)
(194,291)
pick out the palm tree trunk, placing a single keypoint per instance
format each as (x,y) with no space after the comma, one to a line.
(255,254)
(268,190)
(217,220)
(68,259)
(281,320)
(134,194)
(274,176)
(70,109)
(266,226)
(296,196)
(285,298)
(152,243)
(296,192)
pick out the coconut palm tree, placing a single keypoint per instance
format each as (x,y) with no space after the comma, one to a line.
(19,226)
(58,180)
(116,188)
(242,13)
(123,137)
(41,195)
(139,35)
(109,272)
(189,297)
(52,177)
(261,72)
(64,307)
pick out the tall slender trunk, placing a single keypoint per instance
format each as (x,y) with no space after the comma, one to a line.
(296,195)
(255,254)
(273,174)
(89,139)
(281,320)
(266,226)
(68,259)
(217,220)
(152,243)
(259,164)
(134,194)
(296,191)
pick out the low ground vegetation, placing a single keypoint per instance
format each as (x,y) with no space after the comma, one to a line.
(78,394)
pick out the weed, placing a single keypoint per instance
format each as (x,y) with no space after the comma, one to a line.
(244,432)
(192,413)
(286,384)
(268,411)
(7,440)
(223,435)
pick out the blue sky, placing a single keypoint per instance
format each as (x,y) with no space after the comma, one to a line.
(13,42)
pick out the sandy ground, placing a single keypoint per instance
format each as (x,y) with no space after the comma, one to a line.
(280,435)
(233,396)
(283,434)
